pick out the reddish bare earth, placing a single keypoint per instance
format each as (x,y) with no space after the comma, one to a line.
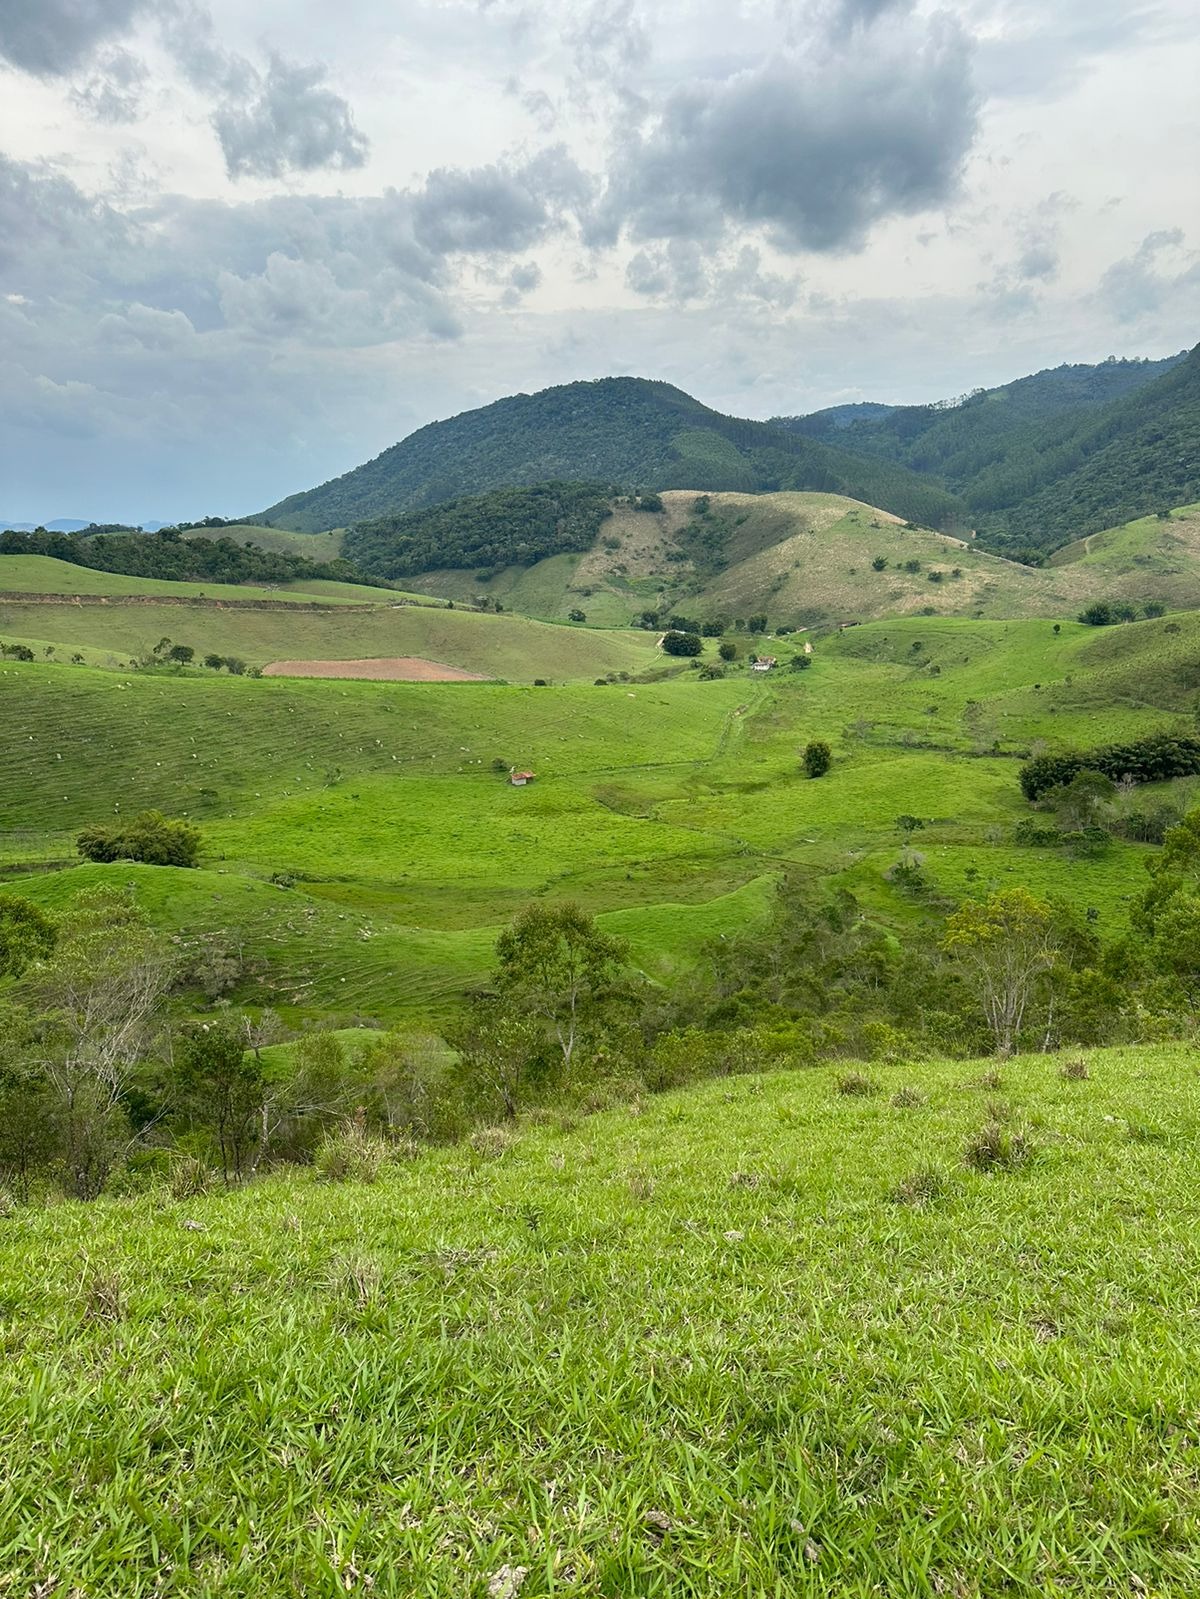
(381,669)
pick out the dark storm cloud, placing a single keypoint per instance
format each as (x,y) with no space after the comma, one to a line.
(498,208)
(815,146)
(52,37)
(291,123)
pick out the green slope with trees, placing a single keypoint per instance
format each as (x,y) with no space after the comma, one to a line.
(627,432)
(1052,457)
(168,555)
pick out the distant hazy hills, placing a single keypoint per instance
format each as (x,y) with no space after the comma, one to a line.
(629,433)
(1051,457)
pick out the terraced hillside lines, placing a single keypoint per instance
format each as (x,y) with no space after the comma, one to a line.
(802,558)
(776,1340)
(494,646)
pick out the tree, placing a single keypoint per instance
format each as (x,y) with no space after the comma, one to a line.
(221,1086)
(727,651)
(879,564)
(99,1001)
(151,837)
(499,1057)
(818,757)
(1007,946)
(181,654)
(908,825)
(756,624)
(1081,802)
(682,643)
(576,615)
(26,935)
(557,966)
(214,662)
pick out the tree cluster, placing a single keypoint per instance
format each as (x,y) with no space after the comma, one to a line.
(1148,760)
(166,555)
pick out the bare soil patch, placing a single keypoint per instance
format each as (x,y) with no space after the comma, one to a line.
(380,669)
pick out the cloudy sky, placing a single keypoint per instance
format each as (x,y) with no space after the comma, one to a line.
(244,247)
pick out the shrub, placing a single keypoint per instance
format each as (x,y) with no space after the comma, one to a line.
(1074,1070)
(727,651)
(710,672)
(491,1143)
(576,615)
(350,1154)
(151,837)
(650,502)
(908,1098)
(1146,760)
(818,757)
(997,1147)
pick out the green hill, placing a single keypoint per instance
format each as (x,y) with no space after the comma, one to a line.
(669,808)
(627,432)
(800,559)
(1051,457)
(756,1338)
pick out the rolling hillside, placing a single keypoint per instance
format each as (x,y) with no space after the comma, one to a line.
(803,560)
(759,1337)
(321,628)
(628,432)
(669,808)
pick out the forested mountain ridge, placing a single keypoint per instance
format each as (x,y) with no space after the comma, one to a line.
(1026,457)
(631,433)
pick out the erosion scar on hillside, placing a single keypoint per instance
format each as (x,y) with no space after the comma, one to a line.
(381,669)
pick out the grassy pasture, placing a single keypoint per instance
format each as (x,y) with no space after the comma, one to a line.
(757,1338)
(500,646)
(670,808)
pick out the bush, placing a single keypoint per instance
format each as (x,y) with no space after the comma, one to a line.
(710,672)
(682,643)
(1074,1071)
(1145,760)
(818,758)
(728,650)
(650,502)
(151,837)
(908,1098)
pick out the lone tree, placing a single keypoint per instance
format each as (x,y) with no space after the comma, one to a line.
(1007,947)
(818,757)
(576,615)
(557,966)
(727,651)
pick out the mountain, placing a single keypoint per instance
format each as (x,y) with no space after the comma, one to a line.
(629,433)
(61,525)
(1021,456)
(1139,455)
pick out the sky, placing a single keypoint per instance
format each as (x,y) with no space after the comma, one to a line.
(246,246)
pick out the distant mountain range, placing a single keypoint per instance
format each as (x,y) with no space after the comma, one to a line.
(67,524)
(1031,465)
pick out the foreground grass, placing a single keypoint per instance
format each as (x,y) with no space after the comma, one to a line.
(696,1347)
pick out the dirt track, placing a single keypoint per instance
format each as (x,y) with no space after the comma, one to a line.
(380,669)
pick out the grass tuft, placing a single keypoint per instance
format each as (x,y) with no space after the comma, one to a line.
(1074,1071)
(909,1098)
(998,1146)
(856,1085)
